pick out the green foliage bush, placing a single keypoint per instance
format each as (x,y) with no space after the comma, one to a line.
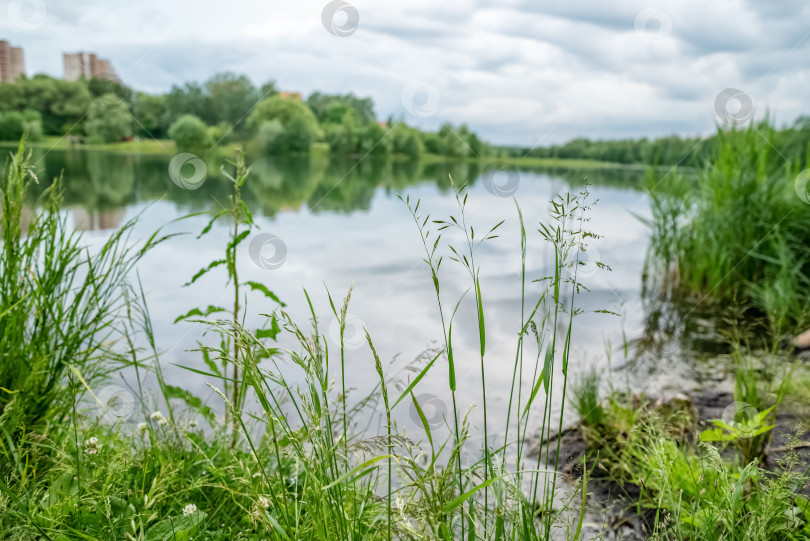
(14,124)
(190,133)
(285,110)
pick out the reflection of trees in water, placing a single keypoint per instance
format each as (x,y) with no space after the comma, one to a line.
(461,171)
(112,177)
(349,186)
(284,183)
(105,180)
(94,180)
(623,177)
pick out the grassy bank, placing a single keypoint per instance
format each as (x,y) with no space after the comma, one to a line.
(737,232)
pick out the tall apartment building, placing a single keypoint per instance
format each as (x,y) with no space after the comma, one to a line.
(87,65)
(12,64)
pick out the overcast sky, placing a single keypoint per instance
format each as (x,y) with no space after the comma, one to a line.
(527,72)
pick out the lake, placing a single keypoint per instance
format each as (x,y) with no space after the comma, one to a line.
(341,223)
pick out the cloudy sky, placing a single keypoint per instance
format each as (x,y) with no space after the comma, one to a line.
(526,72)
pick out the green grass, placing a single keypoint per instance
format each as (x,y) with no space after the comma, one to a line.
(295,468)
(687,489)
(585,398)
(737,233)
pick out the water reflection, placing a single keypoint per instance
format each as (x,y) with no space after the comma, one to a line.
(99,183)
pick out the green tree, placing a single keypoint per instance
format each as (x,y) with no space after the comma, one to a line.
(62,104)
(231,96)
(150,115)
(190,99)
(476,146)
(190,133)
(405,141)
(269,136)
(322,103)
(342,129)
(12,125)
(108,119)
(99,86)
(12,96)
(297,136)
(431,143)
(284,110)
(451,143)
(375,140)
(269,90)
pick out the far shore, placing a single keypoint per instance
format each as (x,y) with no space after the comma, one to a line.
(168,148)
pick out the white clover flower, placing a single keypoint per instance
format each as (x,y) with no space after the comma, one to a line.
(189,509)
(163,421)
(156,416)
(91,446)
(192,423)
(142,427)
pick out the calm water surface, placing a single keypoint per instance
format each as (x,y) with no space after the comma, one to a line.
(343,224)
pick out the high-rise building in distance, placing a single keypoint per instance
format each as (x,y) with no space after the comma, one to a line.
(87,65)
(12,64)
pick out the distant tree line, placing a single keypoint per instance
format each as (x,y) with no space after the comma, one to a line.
(225,108)
(792,142)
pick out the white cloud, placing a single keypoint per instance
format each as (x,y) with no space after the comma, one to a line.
(516,71)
